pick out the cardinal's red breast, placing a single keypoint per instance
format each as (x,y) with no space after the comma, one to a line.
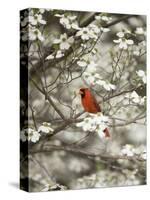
(89,102)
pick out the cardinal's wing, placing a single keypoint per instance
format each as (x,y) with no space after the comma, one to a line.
(97,106)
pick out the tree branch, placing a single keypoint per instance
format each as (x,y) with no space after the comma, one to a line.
(72,149)
(48,98)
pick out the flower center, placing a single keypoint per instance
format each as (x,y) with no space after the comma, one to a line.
(85,32)
(31,134)
(64,39)
(36,32)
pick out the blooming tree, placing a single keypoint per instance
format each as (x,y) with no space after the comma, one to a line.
(61,52)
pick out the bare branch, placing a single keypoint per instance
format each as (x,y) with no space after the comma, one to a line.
(48,98)
(50,148)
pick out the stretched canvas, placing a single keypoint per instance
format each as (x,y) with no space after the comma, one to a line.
(82,100)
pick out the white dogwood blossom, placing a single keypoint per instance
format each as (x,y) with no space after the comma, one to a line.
(140,31)
(105,30)
(50,57)
(35,19)
(136,50)
(89,74)
(130,150)
(32,22)
(122,41)
(84,33)
(30,135)
(90,32)
(94,123)
(96,79)
(90,64)
(139,49)
(107,177)
(106,85)
(45,128)
(82,63)
(94,31)
(143,154)
(141,74)
(91,67)
(120,34)
(23,135)
(69,22)
(58,54)
(142,44)
(93,78)
(49,187)
(42,10)
(135,98)
(104,18)
(64,41)
(24,21)
(35,34)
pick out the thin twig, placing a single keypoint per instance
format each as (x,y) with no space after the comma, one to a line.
(33,117)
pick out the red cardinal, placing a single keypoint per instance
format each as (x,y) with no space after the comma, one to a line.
(90,104)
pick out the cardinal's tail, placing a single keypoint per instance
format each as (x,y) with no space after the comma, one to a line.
(106,131)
